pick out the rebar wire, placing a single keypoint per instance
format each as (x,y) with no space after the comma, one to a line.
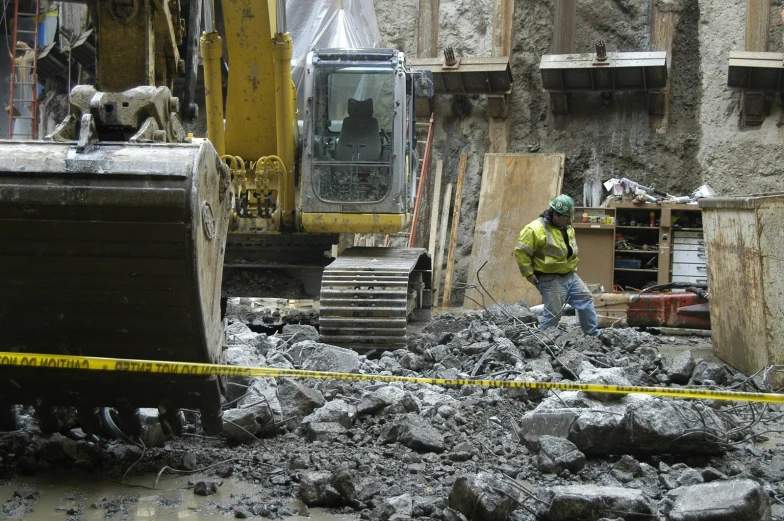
(202,469)
(144,452)
(766,377)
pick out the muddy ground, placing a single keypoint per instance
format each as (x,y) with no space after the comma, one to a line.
(401,450)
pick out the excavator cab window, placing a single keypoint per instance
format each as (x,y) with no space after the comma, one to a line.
(354,115)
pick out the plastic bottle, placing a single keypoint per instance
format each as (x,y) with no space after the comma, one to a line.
(653,219)
(585,217)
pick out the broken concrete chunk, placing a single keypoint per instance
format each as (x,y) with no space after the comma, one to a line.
(316,490)
(662,426)
(297,400)
(572,364)
(681,367)
(324,431)
(736,500)
(300,332)
(324,357)
(481,497)
(626,469)
(592,502)
(559,454)
(397,508)
(336,411)
(242,425)
(706,373)
(413,432)
(518,311)
(604,376)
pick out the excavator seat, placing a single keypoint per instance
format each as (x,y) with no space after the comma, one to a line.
(359,139)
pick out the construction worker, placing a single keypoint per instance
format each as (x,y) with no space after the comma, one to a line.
(546,253)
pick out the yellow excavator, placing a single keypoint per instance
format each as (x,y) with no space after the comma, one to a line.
(114,228)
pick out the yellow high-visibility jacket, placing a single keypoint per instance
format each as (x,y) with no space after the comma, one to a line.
(541,248)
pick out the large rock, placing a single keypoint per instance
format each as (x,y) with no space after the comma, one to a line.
(478,498)
(636,424)
(239,335)
(604,376)
(383,397)
(297,400)
(559,454)
(413,432)
(336,411)
(300,332)
(736,500)
(681,367)
(397,508)
(316,490)
(324,431)
(659,426)
(324,357)
(588,502)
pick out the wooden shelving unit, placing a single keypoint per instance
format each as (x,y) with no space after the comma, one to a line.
(647,257)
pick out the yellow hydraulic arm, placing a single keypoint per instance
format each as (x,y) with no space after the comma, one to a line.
(260,120)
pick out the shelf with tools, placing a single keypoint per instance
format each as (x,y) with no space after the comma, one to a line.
(629,246)
(644,251)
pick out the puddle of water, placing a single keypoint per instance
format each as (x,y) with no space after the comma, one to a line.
(72,496)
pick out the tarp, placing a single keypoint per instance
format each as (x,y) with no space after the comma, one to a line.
(322,24)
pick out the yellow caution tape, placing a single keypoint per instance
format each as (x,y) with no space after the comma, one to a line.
(93,363)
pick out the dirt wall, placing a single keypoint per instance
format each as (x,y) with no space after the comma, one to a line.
(705,141)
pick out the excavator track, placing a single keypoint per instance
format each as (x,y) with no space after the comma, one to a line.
(368,295)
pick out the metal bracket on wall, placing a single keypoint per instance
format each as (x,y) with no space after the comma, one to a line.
(607,73)
(755,74)
(467,75)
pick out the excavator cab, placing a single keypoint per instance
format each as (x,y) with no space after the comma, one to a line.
(358,141)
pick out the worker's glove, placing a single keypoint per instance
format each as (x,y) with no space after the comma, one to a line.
(532,279)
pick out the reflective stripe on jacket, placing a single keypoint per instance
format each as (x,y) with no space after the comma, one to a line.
(541,248)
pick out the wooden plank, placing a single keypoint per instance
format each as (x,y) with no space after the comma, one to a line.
(450,261)
(499,135)
(438,266)
(431,247)
(563,43)
(515,189)
(757,25)
(503,15)
(563,37)
(427,31)
(662,33)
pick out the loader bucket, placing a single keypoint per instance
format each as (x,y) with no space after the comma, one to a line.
(113,252)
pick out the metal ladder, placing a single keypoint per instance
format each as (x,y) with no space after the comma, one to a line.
(23,88)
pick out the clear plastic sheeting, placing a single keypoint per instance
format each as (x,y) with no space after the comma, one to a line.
(322,24)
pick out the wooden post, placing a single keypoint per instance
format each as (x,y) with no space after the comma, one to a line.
(503,14)
(662,31)
(431,247)
(757,25)
(427,31)
(563,43)
(450,262)
(563,39)
(437,267)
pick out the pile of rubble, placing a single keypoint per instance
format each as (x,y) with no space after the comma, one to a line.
(402,450)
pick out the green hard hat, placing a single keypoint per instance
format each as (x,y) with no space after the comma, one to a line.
(563,204)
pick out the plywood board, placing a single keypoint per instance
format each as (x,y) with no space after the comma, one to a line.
(516,188)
